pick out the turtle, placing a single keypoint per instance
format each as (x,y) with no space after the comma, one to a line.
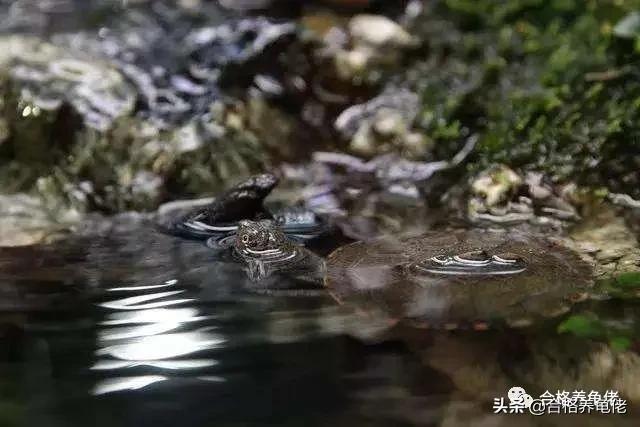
(448,278)
(216,221)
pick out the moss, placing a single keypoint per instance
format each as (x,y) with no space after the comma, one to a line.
(136,166)
(547,84)
(622,286)
(583,326)
(590,326)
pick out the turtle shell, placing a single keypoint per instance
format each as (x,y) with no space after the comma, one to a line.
(459,277)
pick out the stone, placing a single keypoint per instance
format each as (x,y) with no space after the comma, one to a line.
(25,221)
(378,31)
(496,185)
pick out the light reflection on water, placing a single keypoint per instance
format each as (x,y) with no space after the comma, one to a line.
(151,326)
(126,383)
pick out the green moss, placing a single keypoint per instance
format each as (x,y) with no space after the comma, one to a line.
(583,326)
(628,281)
(590,326)
(548,85)
(620,343)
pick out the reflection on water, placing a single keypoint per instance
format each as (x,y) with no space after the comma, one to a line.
(126,383)
(132,327)
(153,328)
(147,330)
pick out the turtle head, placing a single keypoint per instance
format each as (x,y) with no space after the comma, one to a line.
(265,249)
(255,236)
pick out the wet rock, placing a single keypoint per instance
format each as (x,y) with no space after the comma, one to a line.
(43,78)
(147,81)
(403,101)
(384,124)
(244,200)
(375,43)
(500,195)
(367,198)
(606,237)
(70,114)
(179,61)
(24,221)
(378,31)
(266,130)
(624,200)
(496,185)
(238,50)
(180,161)
(218,220)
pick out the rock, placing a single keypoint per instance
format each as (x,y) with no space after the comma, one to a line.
(378,31)
(500,195)
(608,239)
(404,102)
(376,43)
(496,185)
(146,188)
(244,200)
(42,78)
(245,5)
(25,221)
(68,116)
(240,50)
(384,124)
(353,64)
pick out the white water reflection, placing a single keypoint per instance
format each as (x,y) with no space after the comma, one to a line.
(126,383)
(135,303)
(177,315)
(163,346)
(137,331)
(145,331)
(169,365)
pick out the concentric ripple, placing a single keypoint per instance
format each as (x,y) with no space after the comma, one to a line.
(472,264)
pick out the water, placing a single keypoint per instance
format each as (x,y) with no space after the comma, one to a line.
(133,327)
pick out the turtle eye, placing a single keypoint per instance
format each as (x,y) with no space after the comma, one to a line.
(245,239)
